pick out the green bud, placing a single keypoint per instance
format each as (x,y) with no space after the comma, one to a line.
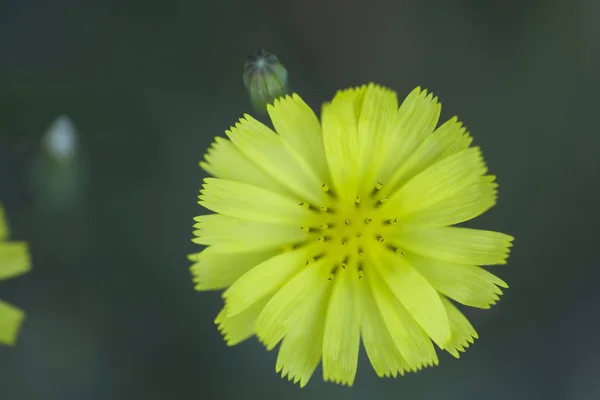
(265,78)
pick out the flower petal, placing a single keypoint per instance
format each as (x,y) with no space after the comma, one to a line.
(416,294)
(253,203)
(274,156)
(225,161)
(11,319)
(300,350)
(417,117)
(412,342)
(217,270)
(437,183)
(298,126)
(448,139)
(463,333)
(237,328)
(14,259)
(340,138)
(230,234)
(290,303)
(266,278)
(376,124)
(467,284)
(462,206)
(379,346)
(341,339)
(456,245)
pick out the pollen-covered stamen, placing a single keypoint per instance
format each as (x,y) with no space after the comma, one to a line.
(359,270)
(324,238)
(391,221)
(326,209)
(380,239)
(344,263)
(344,241)
(395,249)
(334,270)
(368,220)
(326,189)
(381,201)
(347,222)
(377,188)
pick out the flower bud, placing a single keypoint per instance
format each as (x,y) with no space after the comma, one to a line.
(265,78)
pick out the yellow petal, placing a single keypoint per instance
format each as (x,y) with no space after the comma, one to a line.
(340,138)
(467,284)
(253,203)
(266,278)
(217,270)
(379,346)
(463,333)
(448,139)
(462,206)
(412,342)
(14,259)
(290,303)
(375,130)
(299,127)
(300,350)
(268,150)
(237,328)
(341,339)
(225,161)
(416,294)
(417,117)
(456,245)
(11,319)
(437,183)
(239,235)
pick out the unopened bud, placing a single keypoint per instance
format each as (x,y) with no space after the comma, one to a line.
(265,78)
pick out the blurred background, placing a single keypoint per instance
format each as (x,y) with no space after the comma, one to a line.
(137,90)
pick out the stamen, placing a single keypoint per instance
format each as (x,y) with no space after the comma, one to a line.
(358,234)
(323,239)
(360,270)
(307,229)
(368,220)
(324,226)
(309,261)
(343,241)
(357,201)
(377,188)
(380,239)
(381,201)
(347,221)
(327,190)
(344,263)
(391,221)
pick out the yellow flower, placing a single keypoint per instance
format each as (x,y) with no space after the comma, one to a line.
(328,233)
(14,260)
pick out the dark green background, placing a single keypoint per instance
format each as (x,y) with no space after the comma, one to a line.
(111,309)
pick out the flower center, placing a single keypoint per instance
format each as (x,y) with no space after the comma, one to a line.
(348,230)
